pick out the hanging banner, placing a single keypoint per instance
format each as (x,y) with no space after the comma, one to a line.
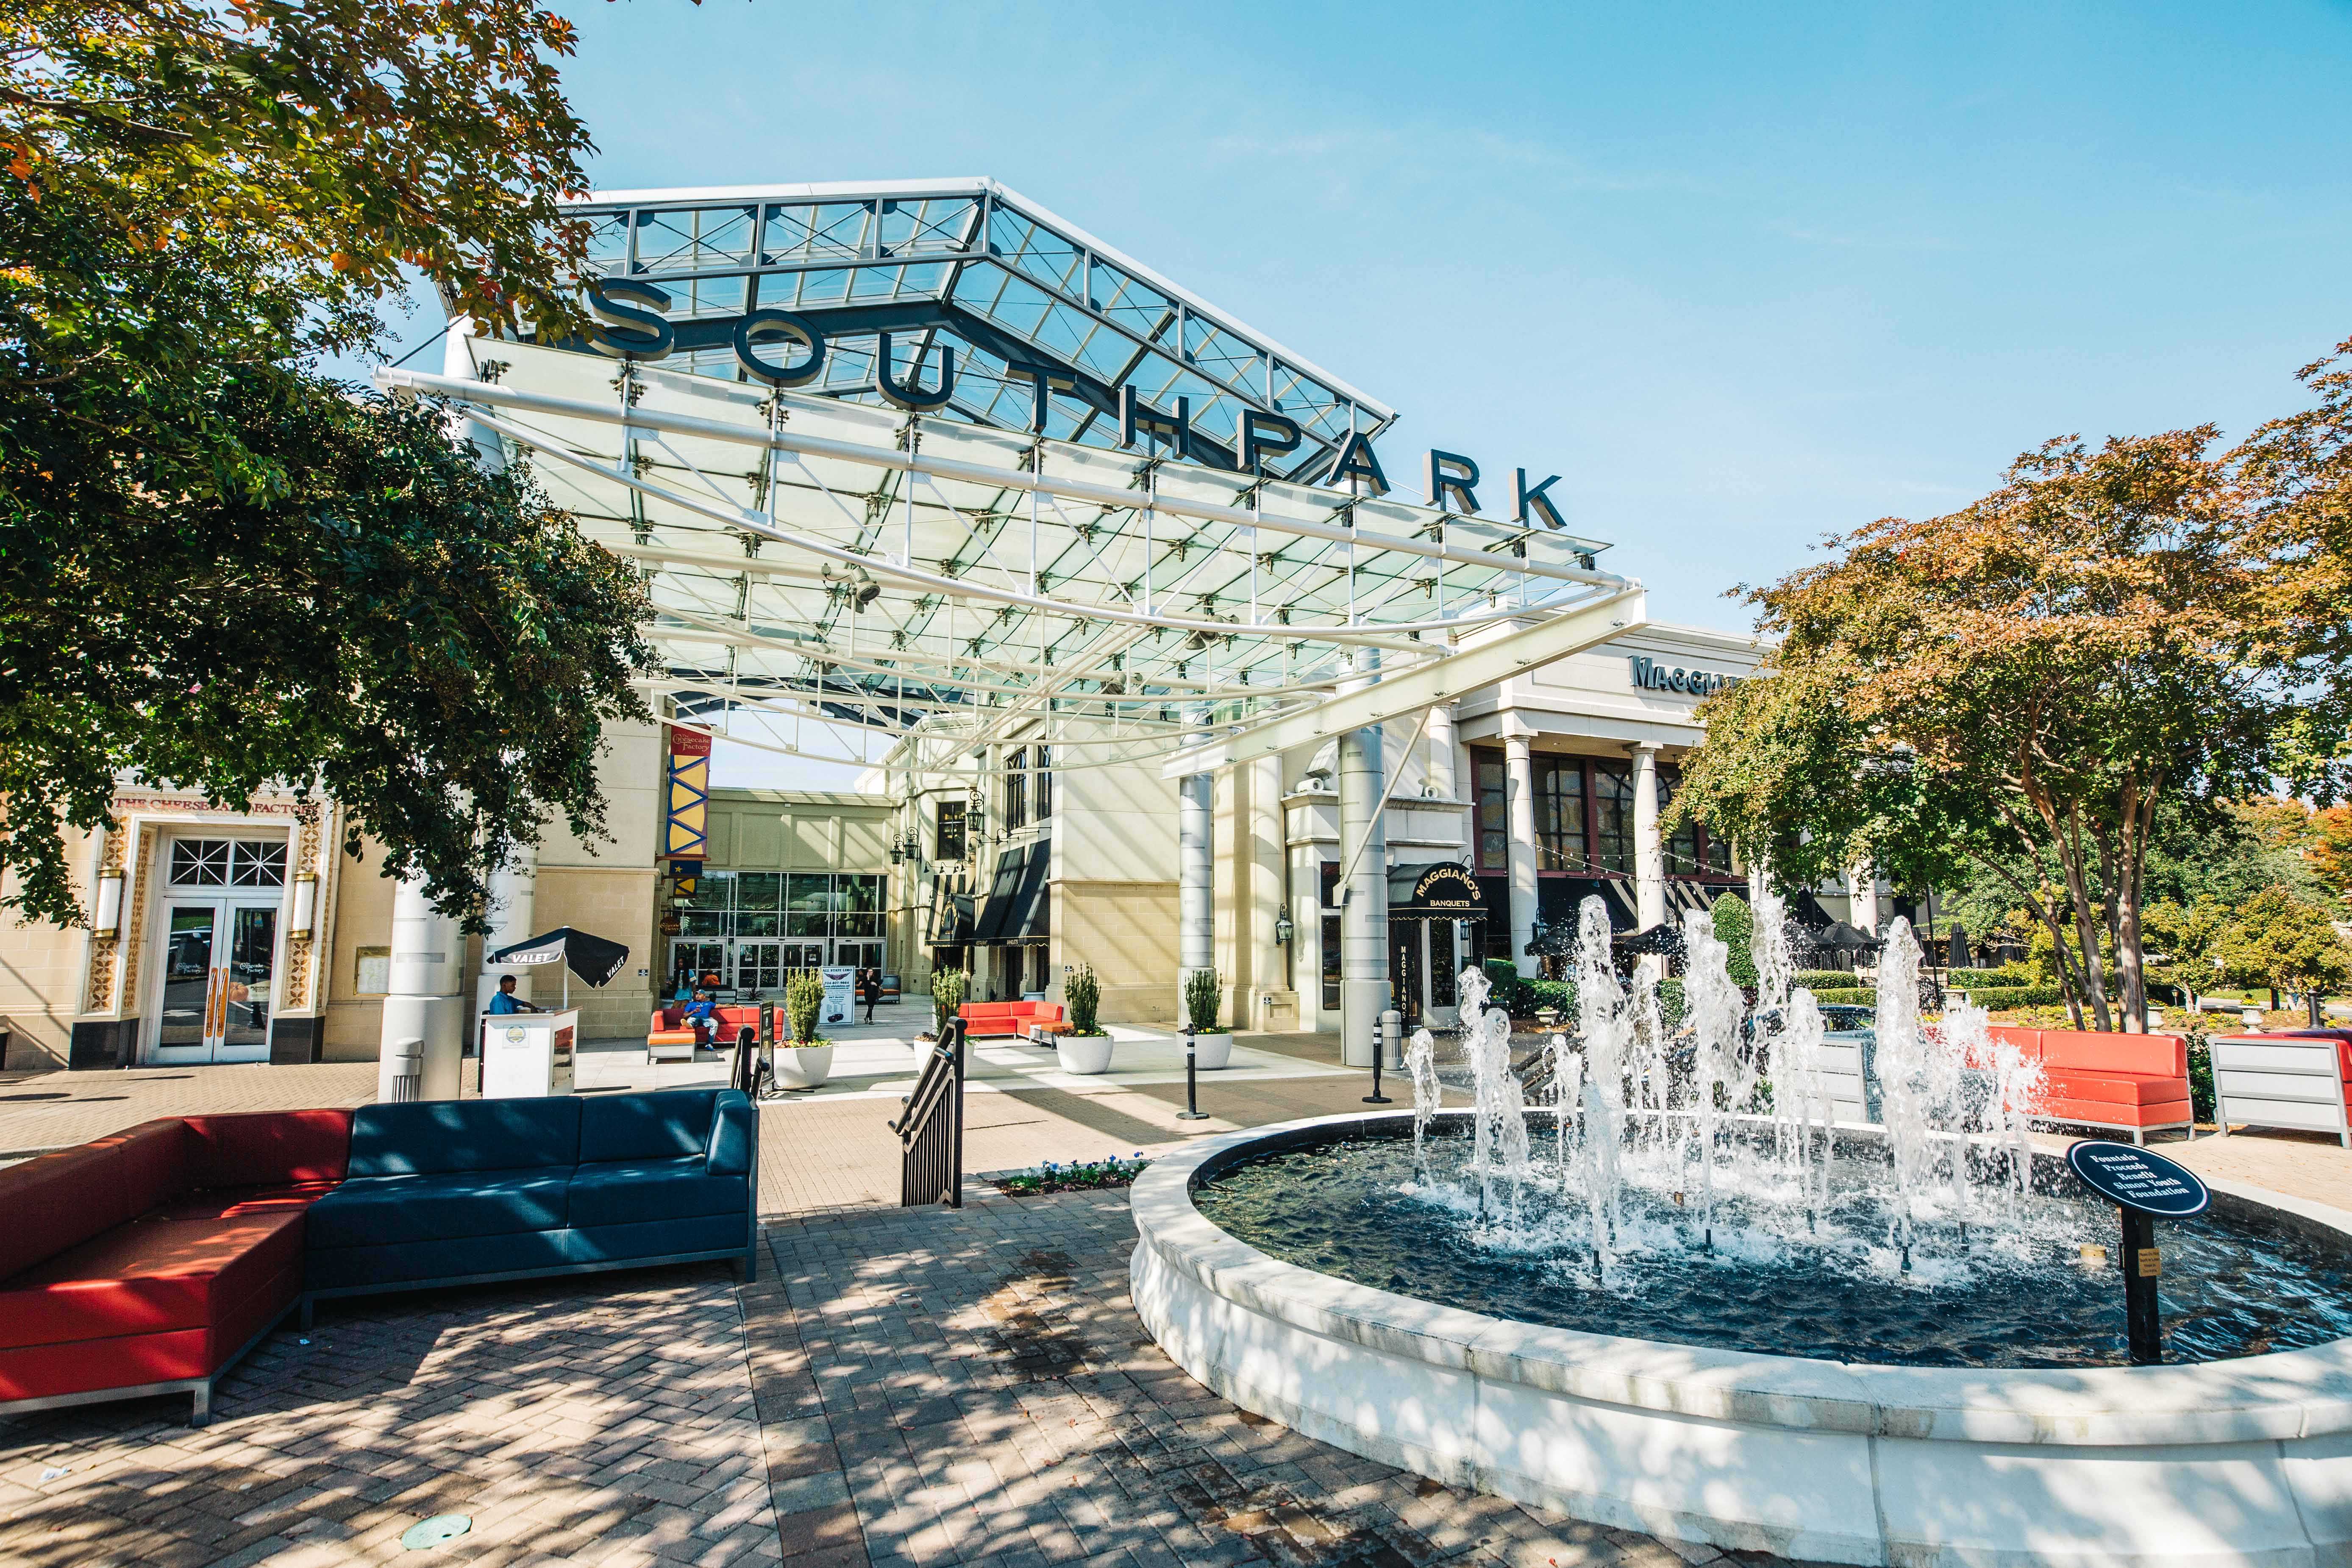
(686,831)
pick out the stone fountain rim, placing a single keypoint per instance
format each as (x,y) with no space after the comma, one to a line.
(2277,1397)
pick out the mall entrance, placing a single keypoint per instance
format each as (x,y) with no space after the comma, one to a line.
(218,944)
(1432,936)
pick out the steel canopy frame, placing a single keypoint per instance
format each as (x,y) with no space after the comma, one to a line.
(869,572)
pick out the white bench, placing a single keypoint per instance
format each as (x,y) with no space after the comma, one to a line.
(2276,1081)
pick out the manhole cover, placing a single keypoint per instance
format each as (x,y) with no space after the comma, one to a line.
(438,1530)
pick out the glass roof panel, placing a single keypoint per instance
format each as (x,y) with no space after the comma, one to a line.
(696,237)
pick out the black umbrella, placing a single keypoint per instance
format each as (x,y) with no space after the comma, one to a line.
(1839,937)
(1664,939)
(1957,954)
(593,958)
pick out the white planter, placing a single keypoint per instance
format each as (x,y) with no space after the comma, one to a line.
(1211,1052)
(1083,1054)
(803,1066)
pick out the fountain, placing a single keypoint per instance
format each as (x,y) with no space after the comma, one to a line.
(1677,1295)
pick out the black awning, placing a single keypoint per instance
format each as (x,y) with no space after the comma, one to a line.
(1001,891)
(951,917)
(1017,910)
(1033,909)
(1435,888)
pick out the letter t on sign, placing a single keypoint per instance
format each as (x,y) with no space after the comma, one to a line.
(1534,503)
(1049,382)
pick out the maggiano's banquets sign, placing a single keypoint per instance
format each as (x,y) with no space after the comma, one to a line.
(1649,675)
(634,327)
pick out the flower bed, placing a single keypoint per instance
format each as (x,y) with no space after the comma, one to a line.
(1077,1176)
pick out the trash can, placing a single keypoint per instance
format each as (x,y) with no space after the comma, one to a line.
(399,1076)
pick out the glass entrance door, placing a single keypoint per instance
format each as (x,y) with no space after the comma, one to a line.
(1408,983)
(759,968)
(220,981)
(693,963)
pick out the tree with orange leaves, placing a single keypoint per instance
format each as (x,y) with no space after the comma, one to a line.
(2119,629)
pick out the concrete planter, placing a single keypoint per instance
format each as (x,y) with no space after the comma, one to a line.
(1212,1052)
(2238,1462)
(803,1066)
(1087,1054)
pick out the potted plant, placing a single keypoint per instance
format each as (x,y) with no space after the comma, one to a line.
(1086,1048)
(803,1061)
(1213,1043)
(948,987)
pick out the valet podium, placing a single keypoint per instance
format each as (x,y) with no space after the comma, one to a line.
(528,1054)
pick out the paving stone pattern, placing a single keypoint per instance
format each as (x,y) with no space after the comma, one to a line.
(602,1419)
(943,1388)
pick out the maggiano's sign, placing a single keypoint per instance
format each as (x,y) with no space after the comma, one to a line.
(1649,675)
(1443,889)
(634,327)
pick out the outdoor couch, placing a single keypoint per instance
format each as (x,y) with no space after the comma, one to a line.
(2125,1083)
(985,1018)
(151,1260)
(669,1034)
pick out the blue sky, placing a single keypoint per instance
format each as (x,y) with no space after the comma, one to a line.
(1743,275)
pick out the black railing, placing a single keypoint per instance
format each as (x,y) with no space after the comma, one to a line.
(930,1128)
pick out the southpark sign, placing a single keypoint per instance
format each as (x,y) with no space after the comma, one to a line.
(633,326)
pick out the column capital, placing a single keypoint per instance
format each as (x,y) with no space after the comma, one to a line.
(1636,747)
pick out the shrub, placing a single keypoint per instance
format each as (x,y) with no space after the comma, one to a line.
(1505,985)
(803,1000)
(1670,1002)
(1735,927)
(1204,994)
(947,988)
(1084,993)
(1559,993)
(2202,1104)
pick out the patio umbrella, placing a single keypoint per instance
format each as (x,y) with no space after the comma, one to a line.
(1664,940)
(1839,937)
(595,959)
(1957,957)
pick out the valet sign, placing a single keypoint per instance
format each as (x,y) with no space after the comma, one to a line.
(783,348)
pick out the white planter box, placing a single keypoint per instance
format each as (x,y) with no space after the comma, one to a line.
(803,1066)
(1087,1054)
(2273,1080)
(1211,1052)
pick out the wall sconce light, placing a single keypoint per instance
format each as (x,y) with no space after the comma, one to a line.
(306,904)
(1283,929)
(108,920)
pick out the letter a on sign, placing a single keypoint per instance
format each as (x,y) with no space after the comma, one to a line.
(1356,461)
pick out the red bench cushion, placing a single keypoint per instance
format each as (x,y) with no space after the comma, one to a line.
(151,1276)
(2170,1113)
(268,1148)
(2165,1056)
(2115,1087)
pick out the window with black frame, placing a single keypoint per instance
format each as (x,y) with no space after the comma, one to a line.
(1016,790)
(1044,790)
(948,840)
(1612,816)
(1327,893)
(1493,813)
(1559,813)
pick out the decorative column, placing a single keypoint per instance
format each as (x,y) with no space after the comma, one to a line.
(1196,897)
(1442,781)
(423,1003)
(1649,850)
(1258,896)
(1862,897)
(1364,919)
(1519,768)
(511,905)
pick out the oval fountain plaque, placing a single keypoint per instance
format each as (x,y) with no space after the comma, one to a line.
(2138,1180)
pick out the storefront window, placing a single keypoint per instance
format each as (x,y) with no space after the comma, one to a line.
(1016,790)
(1494,813)
(1559,812)
(1612,816)
(808,904)
(713,890)
(947,845)
(1327,884)
(1044,791)
(1330,962)
(760,890)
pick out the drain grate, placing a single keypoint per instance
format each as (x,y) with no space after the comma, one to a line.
(438,1530)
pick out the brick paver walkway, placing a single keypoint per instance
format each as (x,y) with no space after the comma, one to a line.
(945,1388)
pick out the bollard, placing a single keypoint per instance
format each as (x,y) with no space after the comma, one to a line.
(399,1076)
(1384,1036)
(1191,1111)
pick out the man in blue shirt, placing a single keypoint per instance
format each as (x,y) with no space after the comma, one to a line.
(702,1017)
(506,1001)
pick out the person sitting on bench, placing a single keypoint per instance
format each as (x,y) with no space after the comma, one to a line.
(702,1017)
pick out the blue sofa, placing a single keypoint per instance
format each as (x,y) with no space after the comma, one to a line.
(461,1192)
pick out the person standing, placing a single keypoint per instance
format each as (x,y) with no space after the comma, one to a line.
(870,983)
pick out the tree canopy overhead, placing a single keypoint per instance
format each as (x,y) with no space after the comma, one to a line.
(219,568)
(2139,623)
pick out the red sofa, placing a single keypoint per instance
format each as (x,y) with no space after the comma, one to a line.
(149,1261)
(669,1030)
(982,1018)
(2126,1083)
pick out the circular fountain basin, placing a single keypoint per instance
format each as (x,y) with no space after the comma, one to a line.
(2235,1462)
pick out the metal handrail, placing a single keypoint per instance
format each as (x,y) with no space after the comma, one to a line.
(930,1127)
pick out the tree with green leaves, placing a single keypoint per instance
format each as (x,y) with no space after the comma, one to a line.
(219,568)
(2285,943)
(2029,679)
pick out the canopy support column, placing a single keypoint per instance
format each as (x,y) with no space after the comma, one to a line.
(1519,770)
(1364,921)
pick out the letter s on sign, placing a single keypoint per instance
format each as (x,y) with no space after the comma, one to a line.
(627,331)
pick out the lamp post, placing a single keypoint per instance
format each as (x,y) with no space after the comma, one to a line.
(1191,1111)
